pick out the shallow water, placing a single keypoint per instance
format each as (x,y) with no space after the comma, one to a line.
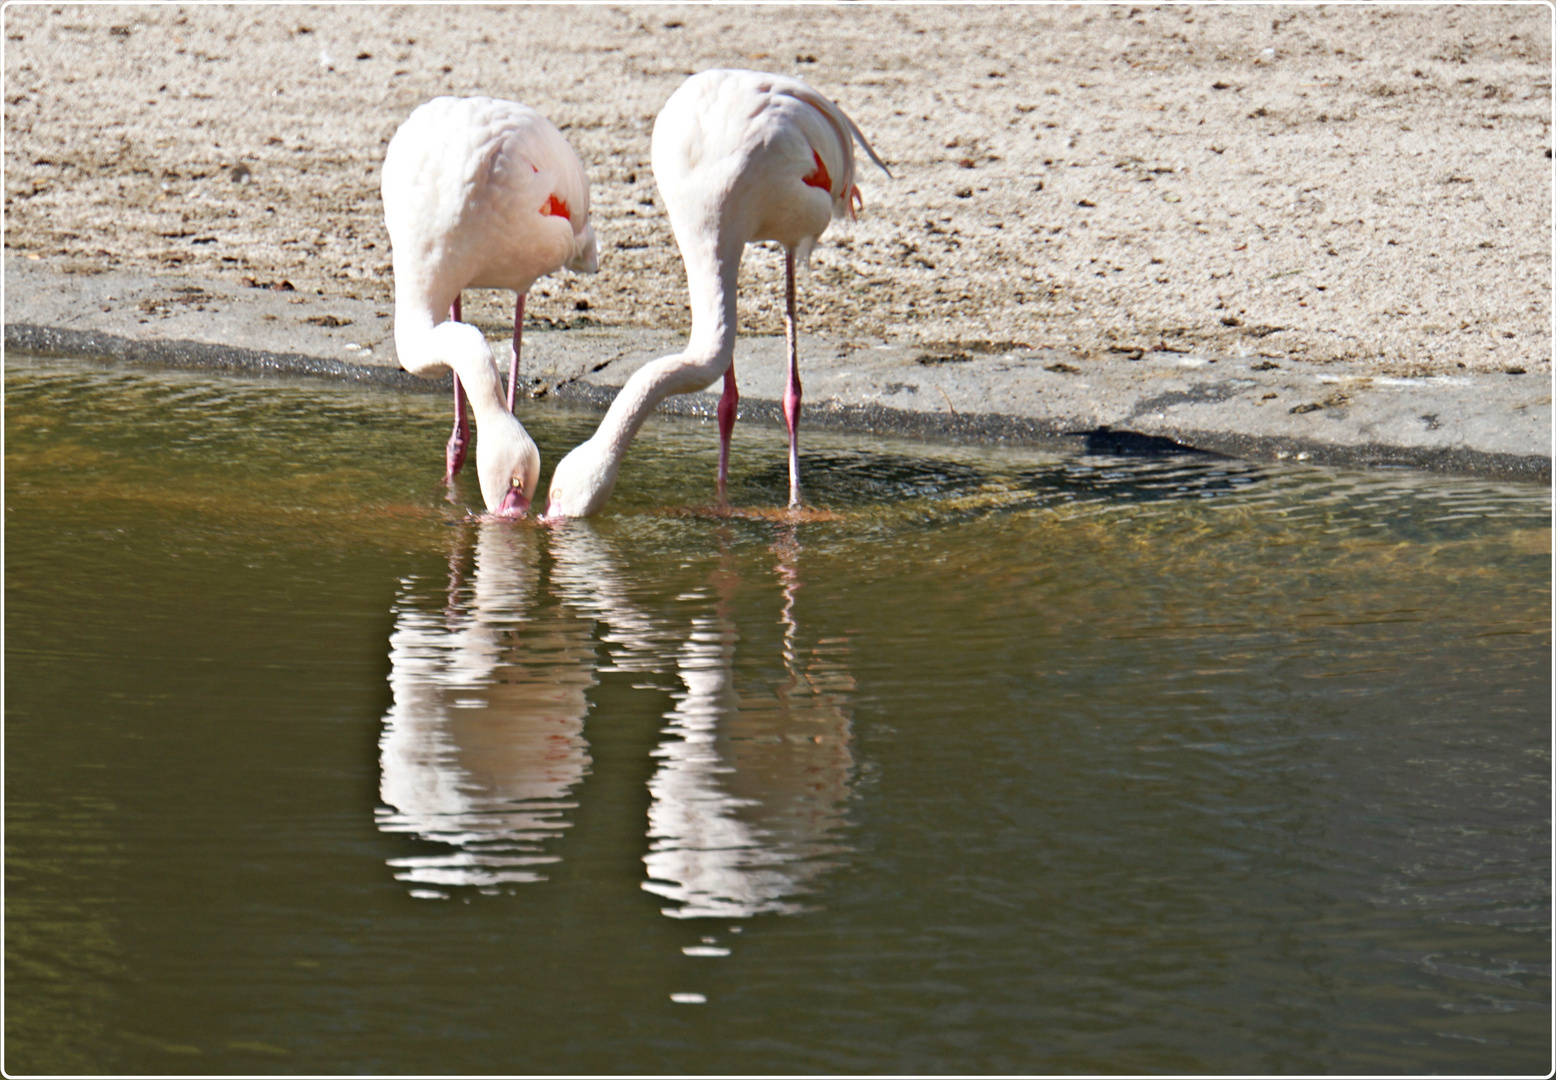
(1021,763)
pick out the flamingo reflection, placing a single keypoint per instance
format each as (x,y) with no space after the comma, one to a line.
(484,743)
(483,750)
(752,778)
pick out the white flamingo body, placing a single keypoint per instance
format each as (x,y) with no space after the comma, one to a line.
(740,157)
(731,151)
(467,184)
(479,193)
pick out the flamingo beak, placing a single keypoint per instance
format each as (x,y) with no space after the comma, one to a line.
(513,505)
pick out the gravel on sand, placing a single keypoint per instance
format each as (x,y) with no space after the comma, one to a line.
(1361,184)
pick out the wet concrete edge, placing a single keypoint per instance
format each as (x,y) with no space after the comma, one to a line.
(996,428)
(984,428)
(96,345)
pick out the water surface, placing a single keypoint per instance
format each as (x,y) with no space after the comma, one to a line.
(1019,763)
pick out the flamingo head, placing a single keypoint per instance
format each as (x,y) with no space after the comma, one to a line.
(581,484)
(508,465)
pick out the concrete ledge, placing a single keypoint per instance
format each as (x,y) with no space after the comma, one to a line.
(96,345)
(995,428)
(1493,424)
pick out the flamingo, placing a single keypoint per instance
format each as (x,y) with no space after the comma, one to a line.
(740,157)
(480,192)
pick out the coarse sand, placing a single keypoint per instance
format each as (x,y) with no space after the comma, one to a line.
(1362,183)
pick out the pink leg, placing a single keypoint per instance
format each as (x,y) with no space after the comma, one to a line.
(791,386)
(728,404)
(459,440)
(518,340)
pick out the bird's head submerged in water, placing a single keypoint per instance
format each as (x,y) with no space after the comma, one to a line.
(506,458)
(508,465)
(582,482)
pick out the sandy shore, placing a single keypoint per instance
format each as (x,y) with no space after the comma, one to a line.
(1364,184)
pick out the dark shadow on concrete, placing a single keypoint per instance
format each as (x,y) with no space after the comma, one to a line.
(1104,440)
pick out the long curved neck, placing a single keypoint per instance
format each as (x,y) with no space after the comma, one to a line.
(477,371)
(712,270)
(426,345)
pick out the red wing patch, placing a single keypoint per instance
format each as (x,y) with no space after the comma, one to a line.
(555,207)
(820,178)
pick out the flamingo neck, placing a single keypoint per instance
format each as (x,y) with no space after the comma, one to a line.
(712,272)
(425,343)
(711,276)
(426,346)
(585,478)
(483,386)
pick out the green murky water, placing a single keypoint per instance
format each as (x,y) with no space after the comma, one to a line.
(1024,763)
